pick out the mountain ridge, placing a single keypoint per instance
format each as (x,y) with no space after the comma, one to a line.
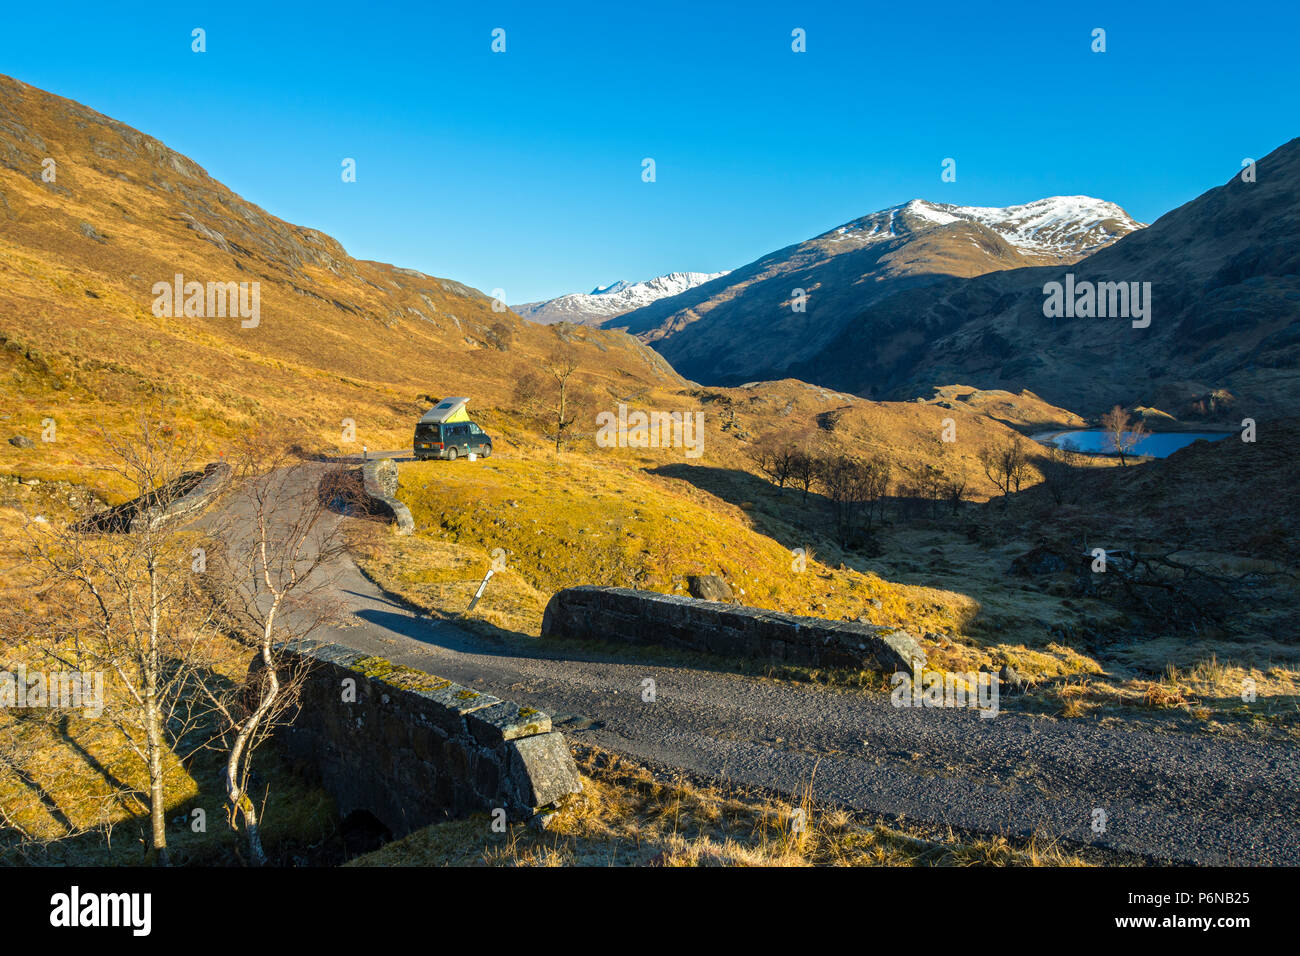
(607,302)
(726,330)
(1096,223)
(1224,274)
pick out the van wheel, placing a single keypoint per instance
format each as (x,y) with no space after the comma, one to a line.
(486,452)
(451,454)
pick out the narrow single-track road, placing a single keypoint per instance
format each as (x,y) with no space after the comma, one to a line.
(1130,787)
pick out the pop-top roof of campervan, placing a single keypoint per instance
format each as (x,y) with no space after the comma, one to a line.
(447,410)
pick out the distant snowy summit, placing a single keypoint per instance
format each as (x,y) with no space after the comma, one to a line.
(1055,230)
(1065,226)
(605,302)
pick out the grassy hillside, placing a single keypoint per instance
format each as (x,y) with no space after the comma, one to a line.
(571,521)
(625,519)
(338,338)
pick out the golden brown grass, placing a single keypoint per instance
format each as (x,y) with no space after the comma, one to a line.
(581,520)
(627,815)
(70,791)
(588,519)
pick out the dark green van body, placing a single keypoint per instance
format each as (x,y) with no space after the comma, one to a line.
(450,440)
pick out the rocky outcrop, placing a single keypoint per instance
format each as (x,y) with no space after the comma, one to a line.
(647,617)
(379,480)
(413,749)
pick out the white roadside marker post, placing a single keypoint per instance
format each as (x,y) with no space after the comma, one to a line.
(479,593)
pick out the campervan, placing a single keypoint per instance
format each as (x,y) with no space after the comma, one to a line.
(445,431)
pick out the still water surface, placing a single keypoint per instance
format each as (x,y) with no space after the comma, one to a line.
(1157,445)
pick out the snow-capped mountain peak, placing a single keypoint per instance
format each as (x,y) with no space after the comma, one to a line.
(1066,226)
(605,302)
(611,289)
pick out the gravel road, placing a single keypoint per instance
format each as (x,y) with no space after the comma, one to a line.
(1165,795)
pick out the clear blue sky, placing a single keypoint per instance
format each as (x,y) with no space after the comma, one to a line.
(522,170)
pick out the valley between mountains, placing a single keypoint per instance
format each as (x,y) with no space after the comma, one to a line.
(1168,697)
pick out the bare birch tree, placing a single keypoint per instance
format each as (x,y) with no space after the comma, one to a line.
(275,576)
(553,395)
(119,598)
(1122,433)
(777,457)
(854,489)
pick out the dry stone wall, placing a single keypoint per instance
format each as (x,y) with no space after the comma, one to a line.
(730,630)
(413,749)
(379,479)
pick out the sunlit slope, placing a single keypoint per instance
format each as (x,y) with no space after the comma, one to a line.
(337,338)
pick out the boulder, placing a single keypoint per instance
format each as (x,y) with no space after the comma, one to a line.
(709,587)
(22,441)
(1039,561)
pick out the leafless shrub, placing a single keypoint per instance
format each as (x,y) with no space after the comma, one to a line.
(807,458)
(774,455)
(502,334)
(1062,469)
(552,394)
(1006,464)
(1169,591)
(953,489)
(855,490)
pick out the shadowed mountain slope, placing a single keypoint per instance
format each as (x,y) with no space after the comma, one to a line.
(1225,299)
(748,324)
